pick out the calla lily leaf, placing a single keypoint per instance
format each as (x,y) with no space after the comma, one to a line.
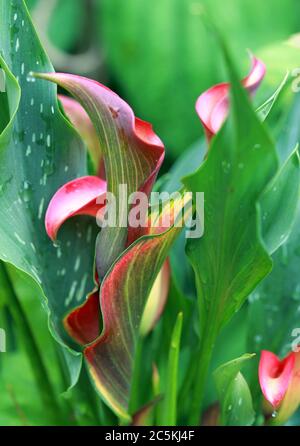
(123,296)
(229,260)
(234,393)
(84,323)
(39,152)
(265,109)
(131,150)
(284,187)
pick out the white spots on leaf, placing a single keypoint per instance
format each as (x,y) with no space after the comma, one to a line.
(226,166)
(22,23)
(258,338)
(66,168)
(48,141)
(33,139)
(240,401)
(28,150)
(80,292)
(77,263)
(58,252)
(15,17)
(17,44)
(43,180)
(41,208)
(61,272)
(22,68)
(30,77)
(71,293)
(19,239)
(32,101)
(33,247)
(52,110)
(256,146)
(41,108)
(254,297)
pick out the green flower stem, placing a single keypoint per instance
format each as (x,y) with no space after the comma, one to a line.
(46,391)
(170,402)
(207,343)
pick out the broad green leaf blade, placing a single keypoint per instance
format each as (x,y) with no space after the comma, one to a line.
(229,260)
(234,393)
(170,397)
(274,306)
(132,154)
(123,295)
(277,221)
(39,151)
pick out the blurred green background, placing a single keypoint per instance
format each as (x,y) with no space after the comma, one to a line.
(159,56)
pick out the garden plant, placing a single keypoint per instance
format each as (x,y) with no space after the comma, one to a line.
(149,214)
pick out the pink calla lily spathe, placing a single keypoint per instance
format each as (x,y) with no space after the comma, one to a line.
(77,197)
(212,106)
(275,376)
(280,382)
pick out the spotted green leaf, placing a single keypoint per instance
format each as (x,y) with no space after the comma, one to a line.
(39,151)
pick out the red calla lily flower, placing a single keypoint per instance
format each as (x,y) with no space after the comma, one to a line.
(212,106)
(79,197)
(280,382)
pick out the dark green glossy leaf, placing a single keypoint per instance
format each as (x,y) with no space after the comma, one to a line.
(229,260)
(39,151)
